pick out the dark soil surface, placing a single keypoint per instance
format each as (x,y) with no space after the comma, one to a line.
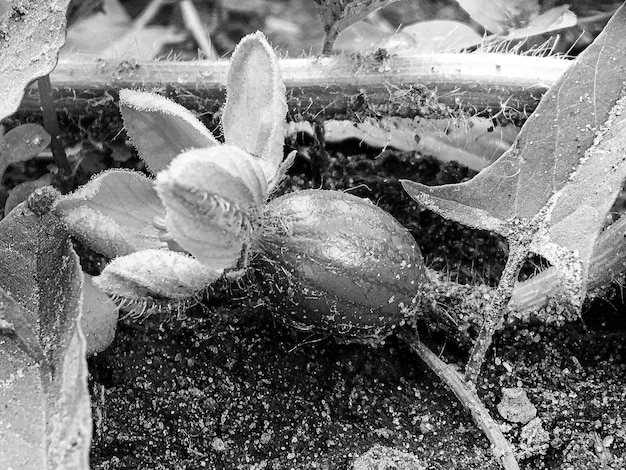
(227,385)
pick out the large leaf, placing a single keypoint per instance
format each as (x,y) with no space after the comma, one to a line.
(45,420)
(255,109)
(161,129)
(113,213)
(540,186)
(32,34)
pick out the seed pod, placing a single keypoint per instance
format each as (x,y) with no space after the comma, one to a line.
(338,263)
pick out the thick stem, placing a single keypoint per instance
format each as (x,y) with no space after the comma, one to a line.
(495,311)
(329,39)
(328,87)
(469,399)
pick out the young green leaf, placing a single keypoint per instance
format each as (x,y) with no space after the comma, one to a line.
(113,213)
(533,186)
(255,109)
(32,35)
(46,417)
(154,274)
(160,129)
(211,197)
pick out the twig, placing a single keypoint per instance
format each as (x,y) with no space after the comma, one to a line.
(327,87)
(52,125)
(330,35)
(146,16)
(197,29)
(501,448)
(496,310)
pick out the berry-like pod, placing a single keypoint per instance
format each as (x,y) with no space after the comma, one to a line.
(334,262)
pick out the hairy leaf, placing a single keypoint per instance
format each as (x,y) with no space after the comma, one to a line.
(45,417)
(532,188)
(32,34)
(255,109)
(113,213)
(211,196)
(161,129)
(155,274)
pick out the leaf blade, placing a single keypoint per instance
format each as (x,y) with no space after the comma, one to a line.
(255,109)
(113,213)
(52,392)
(501,188)
(160,129)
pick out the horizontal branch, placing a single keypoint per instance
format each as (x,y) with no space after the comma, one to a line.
(336,86)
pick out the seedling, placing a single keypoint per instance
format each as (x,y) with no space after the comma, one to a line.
(206,213)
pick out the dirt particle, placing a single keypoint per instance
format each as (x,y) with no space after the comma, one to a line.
(515,406)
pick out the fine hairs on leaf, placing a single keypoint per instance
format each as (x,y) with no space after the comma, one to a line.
(195,220)
(531,195)
(31,40)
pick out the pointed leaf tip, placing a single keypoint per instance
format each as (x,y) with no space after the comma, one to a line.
(160,129)
(255,110)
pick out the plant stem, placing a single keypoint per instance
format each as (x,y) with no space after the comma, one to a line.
(469,399)
(496,310)
(52,125)
(328,87)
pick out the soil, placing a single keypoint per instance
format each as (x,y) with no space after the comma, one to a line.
(227,385)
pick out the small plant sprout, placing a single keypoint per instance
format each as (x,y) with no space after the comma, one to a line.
(172,236)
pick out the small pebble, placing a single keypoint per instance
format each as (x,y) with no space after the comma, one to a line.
(515,406)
